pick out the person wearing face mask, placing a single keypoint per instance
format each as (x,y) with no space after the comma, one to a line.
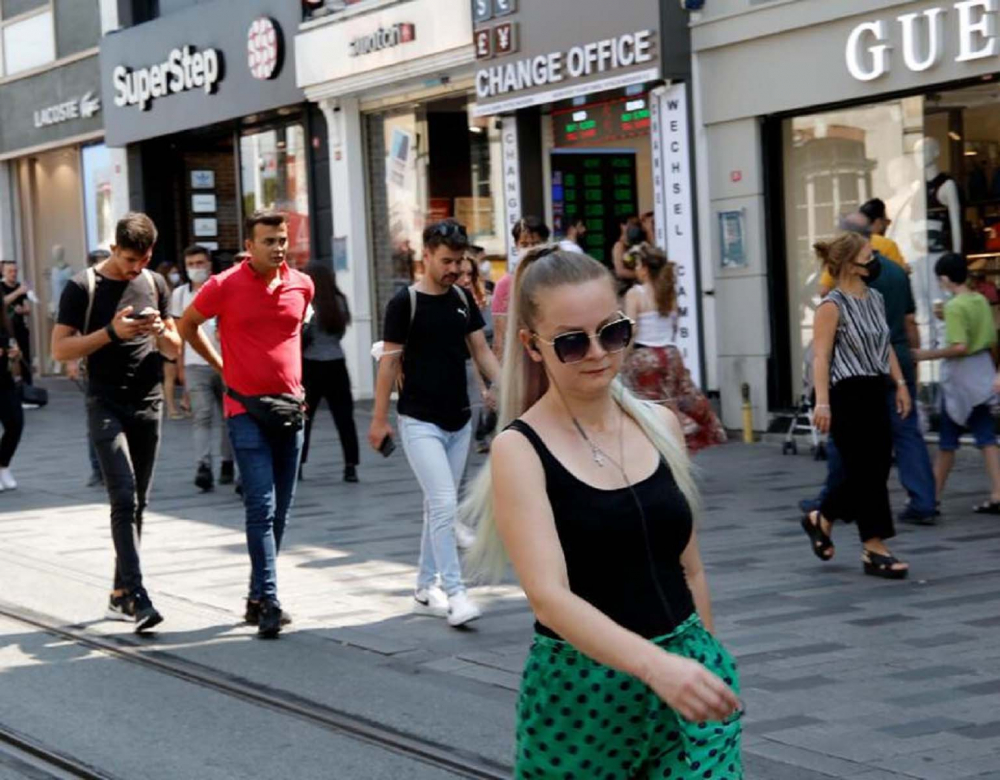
(853,358)
(203,383)
(170,272)
(967,380)
(913,462)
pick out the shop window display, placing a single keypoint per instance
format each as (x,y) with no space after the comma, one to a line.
(274,176)
(935,161)
(437,162)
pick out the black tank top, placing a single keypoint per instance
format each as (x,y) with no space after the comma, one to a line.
(610,561)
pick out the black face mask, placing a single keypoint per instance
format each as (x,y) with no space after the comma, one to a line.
(874,270)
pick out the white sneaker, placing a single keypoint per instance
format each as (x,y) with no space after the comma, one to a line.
(462,610)
(7,480)
(465,537)
(431,602)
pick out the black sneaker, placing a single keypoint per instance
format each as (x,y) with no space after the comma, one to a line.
(95,479)
(120,608)
(252,615)
(227,473)
(146,616)
(269,623)
(350,474)
(204,479)
(909,515)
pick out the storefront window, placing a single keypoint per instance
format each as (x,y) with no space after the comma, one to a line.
(274,176)
(834,163)
(28,43)
(97,201)
(438,163)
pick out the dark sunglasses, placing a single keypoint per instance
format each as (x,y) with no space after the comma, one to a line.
(574,346)
(449,230)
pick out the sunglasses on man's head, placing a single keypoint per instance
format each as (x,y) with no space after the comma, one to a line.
(574,346)
(450,230)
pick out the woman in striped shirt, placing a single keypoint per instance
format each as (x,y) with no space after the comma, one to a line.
(853,360)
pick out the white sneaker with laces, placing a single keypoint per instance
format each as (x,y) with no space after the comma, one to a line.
(462,609)
(431,602)
(465,537)
(7,480)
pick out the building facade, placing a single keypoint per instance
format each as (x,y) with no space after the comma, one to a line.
(488,111)
(58,184)
(807,109)
(202,97)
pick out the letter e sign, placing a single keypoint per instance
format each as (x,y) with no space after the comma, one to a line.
(484,44)
(504,36)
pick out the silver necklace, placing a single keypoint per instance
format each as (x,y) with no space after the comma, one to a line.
(598,454)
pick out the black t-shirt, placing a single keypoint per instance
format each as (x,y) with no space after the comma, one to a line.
(130,372)
(434,387)
(16,319)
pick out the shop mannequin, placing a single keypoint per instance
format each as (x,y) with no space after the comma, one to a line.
(944,205)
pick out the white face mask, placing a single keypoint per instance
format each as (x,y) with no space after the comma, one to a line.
(198,275)
(174,277)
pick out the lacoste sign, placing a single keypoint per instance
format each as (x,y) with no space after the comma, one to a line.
(78,108)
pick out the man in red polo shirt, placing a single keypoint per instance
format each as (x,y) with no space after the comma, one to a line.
(260,305)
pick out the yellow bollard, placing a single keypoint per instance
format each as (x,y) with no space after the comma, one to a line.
(747,415)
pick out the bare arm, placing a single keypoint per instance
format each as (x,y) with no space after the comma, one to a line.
(824,332)
(10,297)
(632,303)
(527,527)
(388,373)
(912,331)
(190,330)
(68,344)
(499,334)
(952,351)
(483,356)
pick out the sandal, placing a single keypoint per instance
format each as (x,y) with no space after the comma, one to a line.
(821,541)
(877,565)
(990,507)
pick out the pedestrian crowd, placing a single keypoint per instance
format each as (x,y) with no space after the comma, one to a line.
(567,372)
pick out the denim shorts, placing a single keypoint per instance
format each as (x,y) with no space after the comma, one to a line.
(980,424)
(577,718)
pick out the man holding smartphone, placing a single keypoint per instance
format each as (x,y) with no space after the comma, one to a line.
(116,315)
(429,346)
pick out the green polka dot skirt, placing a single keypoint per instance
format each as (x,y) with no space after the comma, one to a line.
(580,720)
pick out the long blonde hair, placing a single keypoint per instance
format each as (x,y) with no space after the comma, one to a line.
(524,382)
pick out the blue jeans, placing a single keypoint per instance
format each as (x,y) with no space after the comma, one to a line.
(269,467)
(912,460)
(437,458)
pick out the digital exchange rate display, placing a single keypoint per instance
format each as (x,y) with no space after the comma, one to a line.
(613,120)
(598,186)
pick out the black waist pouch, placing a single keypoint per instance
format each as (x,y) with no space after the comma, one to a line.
(276,414)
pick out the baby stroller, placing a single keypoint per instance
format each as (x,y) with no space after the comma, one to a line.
(802,418)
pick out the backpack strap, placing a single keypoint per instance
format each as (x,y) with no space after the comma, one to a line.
(465,301)
(151,280)
(91,279)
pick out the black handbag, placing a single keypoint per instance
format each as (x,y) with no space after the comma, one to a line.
(280,414)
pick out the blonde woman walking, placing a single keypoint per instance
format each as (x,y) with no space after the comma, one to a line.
(624,678)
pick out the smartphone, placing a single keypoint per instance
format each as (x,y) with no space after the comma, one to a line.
(387,447)
(144,316)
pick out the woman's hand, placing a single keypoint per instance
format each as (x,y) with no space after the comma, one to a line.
(904,404)
(822,418)
(690,689)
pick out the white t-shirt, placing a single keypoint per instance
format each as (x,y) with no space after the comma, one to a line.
(180,299)
(570,246)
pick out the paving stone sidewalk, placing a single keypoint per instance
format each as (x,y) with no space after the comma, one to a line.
(844,676)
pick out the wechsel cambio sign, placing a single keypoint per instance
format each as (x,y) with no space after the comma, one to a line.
(184,69)
(925,36)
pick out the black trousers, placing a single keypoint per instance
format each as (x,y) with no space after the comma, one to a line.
(329,379)
(862,431)
(126,438)
(12,419)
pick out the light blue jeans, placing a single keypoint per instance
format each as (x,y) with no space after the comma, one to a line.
(437,458)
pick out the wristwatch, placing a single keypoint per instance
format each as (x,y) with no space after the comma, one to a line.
(110,330)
